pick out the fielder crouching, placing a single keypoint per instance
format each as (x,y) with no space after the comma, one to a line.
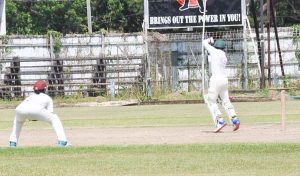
(218,85)
(38,106)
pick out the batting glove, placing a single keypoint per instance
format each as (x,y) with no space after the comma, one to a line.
(211,41)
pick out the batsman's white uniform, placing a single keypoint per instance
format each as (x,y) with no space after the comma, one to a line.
(37,107)
(218,82)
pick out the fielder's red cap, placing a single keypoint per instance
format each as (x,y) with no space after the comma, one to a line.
(39,85)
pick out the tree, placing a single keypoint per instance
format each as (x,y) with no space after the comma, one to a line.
(115,15)
(287,11)
(133,12)
(37,17)
(18,20)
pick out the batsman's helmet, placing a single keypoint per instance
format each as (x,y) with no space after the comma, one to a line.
(219,44)
(39,85)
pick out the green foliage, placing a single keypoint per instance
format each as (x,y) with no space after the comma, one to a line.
(133,12)
(295,84)
(287,12)
(4,41)
(296,41)
(56,40)
(287,81)
(114,16)
(38,17)
(294,87)
(135,92)
(77,98)
(293,92)
(263,92)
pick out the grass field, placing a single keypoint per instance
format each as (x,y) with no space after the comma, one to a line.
(159,115)
(243,159)
(202,159)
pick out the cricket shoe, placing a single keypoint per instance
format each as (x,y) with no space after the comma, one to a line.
(12,144)
(62,143)
(221,123)
(235,122)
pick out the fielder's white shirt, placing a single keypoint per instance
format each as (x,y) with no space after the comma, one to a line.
(40,100)
(217,59)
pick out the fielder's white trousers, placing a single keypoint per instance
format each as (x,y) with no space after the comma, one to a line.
(35,112)
(218,87)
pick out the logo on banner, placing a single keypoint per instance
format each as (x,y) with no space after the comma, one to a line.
(190,4)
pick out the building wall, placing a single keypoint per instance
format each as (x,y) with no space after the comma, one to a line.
(175,59)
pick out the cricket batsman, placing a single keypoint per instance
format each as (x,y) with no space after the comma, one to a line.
(38,106)
(218,85)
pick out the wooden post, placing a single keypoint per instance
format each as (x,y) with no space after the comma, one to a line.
(89,16)
(283,110)
(269,45)
(2,18)
(189,74)
(262,44)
